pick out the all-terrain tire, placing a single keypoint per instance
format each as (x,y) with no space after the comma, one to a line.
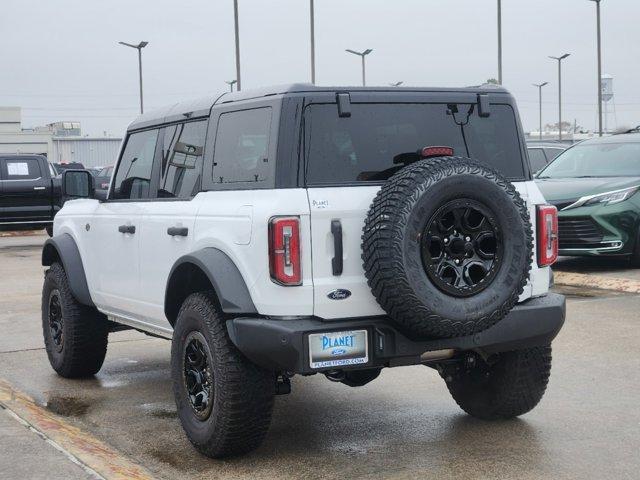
(510,387)
(79,345)
(242,393)
(391,247)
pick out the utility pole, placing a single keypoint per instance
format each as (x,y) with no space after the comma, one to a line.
(599,68)
(313,42)
(559,59)
(540,85)
(138,47)
(500,42)
(237,32)
(362,55)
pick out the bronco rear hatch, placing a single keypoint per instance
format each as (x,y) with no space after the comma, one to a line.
(354,141)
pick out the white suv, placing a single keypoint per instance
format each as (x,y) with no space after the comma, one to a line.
(303,230)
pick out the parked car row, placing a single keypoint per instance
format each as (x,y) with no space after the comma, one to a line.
(594,185)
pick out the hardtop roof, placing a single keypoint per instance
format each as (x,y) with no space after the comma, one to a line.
(200,107)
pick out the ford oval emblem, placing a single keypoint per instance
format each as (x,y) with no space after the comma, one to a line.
(339,294)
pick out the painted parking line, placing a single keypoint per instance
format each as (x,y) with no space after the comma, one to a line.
(597,281)
(92,454)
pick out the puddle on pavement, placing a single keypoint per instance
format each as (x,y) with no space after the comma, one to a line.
(160,410)
(67,406)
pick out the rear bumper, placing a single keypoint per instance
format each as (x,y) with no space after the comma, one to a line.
(282,345)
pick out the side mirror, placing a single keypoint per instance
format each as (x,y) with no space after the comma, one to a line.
(77,184)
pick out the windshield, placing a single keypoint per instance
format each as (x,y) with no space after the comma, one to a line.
(378,139)
(596,160)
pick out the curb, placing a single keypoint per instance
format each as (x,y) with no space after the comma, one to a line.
(93,455)
(597,281)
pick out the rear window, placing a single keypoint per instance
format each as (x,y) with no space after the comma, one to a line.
(362,147)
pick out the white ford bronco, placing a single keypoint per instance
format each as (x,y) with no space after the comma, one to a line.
(304,230)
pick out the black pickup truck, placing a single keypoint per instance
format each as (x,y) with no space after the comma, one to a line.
(29,193)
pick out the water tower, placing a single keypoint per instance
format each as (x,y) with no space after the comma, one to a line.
(607,95)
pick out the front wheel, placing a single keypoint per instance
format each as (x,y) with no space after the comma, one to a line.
(224,401)
(75,335)
(508,385)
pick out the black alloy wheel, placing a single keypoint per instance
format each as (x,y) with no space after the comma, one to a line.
(197,375)
(461,247)
(56,320)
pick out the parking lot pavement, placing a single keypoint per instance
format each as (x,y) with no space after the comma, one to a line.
(25,454)
(403,425)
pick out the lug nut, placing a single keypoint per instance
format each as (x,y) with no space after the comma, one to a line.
(468,239)
(457,261)
(446,240)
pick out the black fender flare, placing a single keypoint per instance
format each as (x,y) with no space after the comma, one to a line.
(63,248)
(223,274)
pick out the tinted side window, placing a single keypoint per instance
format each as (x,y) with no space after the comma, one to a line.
(553,152)
(241,152)
(20,169)
(537,159)
(182,160)
(133,177)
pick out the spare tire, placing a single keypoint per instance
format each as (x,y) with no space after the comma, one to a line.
(447,247)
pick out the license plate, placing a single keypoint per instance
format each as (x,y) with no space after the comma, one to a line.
(337,349)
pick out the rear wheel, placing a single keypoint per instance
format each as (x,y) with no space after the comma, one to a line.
(224,401)
(75,335)
(511,384)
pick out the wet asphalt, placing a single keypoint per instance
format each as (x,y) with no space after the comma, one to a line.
(403,425)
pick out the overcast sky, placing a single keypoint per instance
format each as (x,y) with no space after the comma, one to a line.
(61,60)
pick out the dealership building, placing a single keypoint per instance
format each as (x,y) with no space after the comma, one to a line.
(61,142)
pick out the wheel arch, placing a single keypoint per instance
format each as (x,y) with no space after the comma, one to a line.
(207,269)
(62,248)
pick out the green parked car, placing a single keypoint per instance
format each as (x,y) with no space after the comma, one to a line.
(594,185)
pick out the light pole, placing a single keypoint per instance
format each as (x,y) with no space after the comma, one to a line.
(500,42)
(559,59)
(237,32)
(540,85)
(231,83)
(138,47)
(313,42)
(599,68)
(361,55)
(396,84)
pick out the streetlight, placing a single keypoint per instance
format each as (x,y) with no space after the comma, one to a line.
(237,32)
(362,55)
(599,69)
(500,42)
(138,47)
(313,43)
(231,83)
(396,84)
(559,59)
(540,85)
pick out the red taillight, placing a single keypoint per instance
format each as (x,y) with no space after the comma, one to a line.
(429,152)
(284,250)
(547,235)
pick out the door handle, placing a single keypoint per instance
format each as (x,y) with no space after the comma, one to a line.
(336,261)
(127,229)
(39,188)
(178,231)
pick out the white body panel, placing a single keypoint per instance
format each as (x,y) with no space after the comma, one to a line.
(127,274)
